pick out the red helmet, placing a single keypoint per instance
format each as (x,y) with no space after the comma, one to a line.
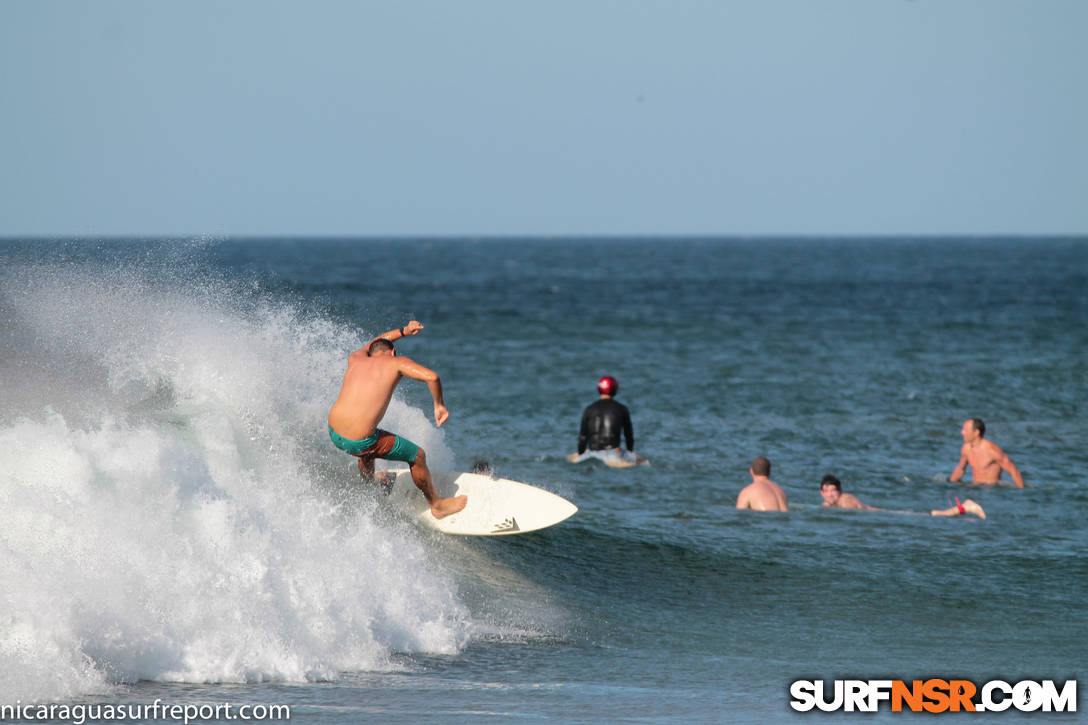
(608,385)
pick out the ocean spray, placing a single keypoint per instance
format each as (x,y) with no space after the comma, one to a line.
(170,506)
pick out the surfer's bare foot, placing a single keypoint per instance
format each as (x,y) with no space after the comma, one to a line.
(444,507)
(973,508)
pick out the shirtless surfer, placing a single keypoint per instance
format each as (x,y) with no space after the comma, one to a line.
(831,490)
(762,494)
(373,373)
(986,458)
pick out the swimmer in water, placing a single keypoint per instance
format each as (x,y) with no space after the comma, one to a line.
(762,494)
(602,423)
(986,458)
(831,490)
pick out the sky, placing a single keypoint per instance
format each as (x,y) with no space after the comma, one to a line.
(543,118)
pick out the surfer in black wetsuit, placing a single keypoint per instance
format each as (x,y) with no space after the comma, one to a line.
(602,423)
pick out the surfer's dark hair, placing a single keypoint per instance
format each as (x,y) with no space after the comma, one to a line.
(979,426)
(761,466)
(830,480)
(379,345)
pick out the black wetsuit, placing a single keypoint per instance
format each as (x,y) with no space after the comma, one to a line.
(601,426)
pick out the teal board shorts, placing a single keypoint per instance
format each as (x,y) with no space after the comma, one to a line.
(382,444)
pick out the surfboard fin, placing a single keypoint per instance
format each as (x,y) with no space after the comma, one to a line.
(510,524)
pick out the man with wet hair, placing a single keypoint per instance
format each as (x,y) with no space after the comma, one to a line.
(831,490)
(373,374)
(986,458)
(762,494)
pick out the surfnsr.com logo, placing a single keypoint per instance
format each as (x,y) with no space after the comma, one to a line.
(933,695)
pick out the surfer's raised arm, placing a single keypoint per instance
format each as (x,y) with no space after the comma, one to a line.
(412,328)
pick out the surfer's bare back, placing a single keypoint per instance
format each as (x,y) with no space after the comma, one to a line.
(373,374)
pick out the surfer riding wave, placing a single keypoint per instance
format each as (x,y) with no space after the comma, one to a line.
(373,374)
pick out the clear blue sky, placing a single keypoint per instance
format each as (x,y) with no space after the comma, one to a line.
(552,117)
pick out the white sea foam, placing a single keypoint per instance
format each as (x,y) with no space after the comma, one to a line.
(169,505)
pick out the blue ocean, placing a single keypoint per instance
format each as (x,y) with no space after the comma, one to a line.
(175,524)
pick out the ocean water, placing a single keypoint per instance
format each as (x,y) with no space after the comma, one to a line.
(175,525)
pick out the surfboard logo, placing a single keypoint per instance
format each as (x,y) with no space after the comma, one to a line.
(510,524)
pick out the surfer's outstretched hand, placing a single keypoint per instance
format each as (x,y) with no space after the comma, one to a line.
(412,328)
(441,413)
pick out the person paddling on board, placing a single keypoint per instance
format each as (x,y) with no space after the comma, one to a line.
(986,458)
(762,494)
(373,373)
(602,423)
(831,490)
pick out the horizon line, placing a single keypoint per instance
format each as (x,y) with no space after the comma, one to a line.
(529,236)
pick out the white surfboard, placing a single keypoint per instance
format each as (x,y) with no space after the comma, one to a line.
(496,506)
